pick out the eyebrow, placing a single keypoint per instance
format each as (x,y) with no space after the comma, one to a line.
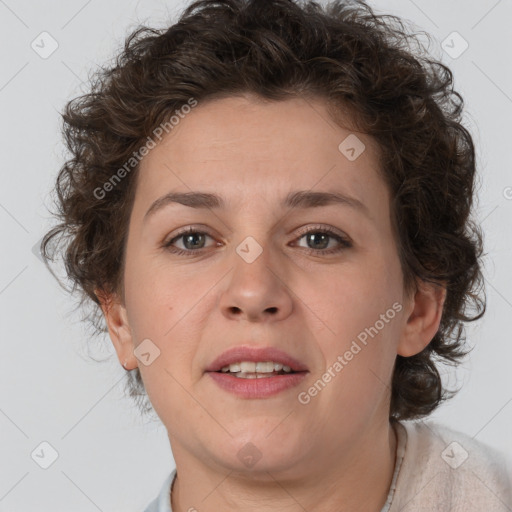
(300,199)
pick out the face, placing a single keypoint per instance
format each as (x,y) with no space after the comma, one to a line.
(320,281)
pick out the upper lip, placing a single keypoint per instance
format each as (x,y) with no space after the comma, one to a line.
(241,353)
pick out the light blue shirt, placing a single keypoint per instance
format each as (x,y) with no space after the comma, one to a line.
(162,503)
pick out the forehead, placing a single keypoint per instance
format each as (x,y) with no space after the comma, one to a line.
(250,147)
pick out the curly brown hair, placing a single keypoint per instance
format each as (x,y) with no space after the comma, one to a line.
(357,62)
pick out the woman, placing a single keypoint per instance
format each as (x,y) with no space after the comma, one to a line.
(270,204)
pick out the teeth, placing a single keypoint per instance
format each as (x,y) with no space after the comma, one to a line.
(242,375)
(246,369)
(247,366)
(267,367)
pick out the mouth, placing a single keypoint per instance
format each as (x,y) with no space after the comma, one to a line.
(250,372)
(258,360)
(256,369)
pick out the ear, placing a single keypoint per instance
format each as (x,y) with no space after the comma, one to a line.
(424,317)
(118,328)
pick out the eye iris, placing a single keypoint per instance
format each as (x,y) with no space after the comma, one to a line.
(325,237)
(190,237)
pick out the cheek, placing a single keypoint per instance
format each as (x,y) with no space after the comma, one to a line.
(361,324)
(361,358)
(354,298)
(168,308)
(154,295)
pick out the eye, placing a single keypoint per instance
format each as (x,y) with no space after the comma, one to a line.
(194,241)
(319,238)
(192,238)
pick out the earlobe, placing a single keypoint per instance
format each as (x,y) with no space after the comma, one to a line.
(118,328)
(424,319)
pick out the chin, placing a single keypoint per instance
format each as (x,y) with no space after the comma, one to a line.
(261,453)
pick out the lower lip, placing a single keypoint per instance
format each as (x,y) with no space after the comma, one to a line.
(257,388)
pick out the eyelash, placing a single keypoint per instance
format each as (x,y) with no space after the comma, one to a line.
(344,243)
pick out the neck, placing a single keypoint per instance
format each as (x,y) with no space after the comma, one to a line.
(357,479)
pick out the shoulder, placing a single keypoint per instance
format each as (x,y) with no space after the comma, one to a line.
(162,502)
(447,470)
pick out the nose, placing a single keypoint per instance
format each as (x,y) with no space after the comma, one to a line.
(257,291)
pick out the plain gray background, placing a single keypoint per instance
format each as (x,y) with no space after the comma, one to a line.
(108,459)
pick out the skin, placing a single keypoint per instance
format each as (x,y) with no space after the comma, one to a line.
(338,451)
